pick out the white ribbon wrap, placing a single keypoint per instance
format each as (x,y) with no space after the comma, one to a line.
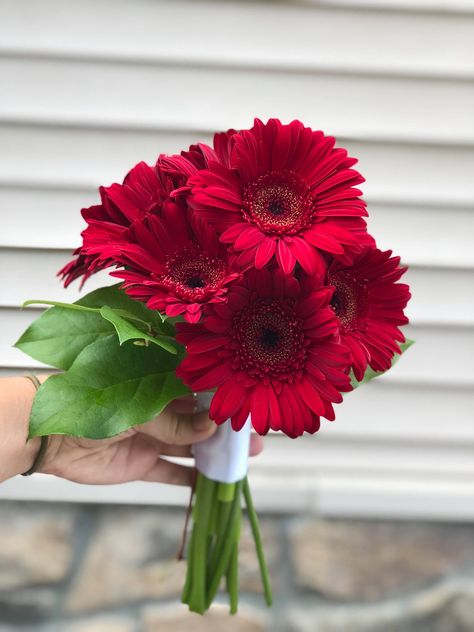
(224,456)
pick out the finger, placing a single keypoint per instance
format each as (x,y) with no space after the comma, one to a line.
(179,429)
(186,404)
(256,444)
(176,450)
(166,472)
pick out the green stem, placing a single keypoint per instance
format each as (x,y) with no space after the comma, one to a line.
(228,540)
(225,492)
(205,494)
(233,579)
(80,308)
(258,542)
(222,529)
(225,496)
(189,571)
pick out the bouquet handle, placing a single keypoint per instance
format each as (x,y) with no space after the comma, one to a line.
(221,487)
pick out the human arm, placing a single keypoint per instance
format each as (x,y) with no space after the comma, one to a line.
(132,455)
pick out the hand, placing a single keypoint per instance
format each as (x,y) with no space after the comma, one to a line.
(137,453)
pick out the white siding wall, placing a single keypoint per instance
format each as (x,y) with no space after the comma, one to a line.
(88,88)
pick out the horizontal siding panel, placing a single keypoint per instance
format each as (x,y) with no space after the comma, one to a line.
(368,457)
(98,86)
(396,172)
(420,236)
(100,155)
(441,354)
(340,103)
(198,31)
(31,274)
(442,6)
(389,410)
(42,218)
(441,295)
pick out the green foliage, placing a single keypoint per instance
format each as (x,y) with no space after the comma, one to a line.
(58,336)
(119,301)
(120,359)
(107,389)
(126,330)
(370,374)
(62,332)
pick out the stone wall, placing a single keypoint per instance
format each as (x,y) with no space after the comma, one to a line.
(85,568)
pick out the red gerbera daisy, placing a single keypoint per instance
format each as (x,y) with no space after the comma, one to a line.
(142,193)
(174,265)
(286,192)
(272,351)
(369,304)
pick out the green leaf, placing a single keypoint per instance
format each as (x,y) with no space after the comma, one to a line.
(114,297)
(108,389)
(127,330)
(63,331)
(370,374)
(58,336)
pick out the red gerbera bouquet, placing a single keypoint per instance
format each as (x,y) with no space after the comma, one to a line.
(247,273)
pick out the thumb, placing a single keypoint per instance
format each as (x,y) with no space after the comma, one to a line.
(179,429)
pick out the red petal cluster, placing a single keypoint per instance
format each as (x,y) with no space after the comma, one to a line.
(287,194)
(168,258)
(272,350)
(369,304)
(260,244)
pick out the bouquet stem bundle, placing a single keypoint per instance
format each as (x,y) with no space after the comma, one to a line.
(213,550)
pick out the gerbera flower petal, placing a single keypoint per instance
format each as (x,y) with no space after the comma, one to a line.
(311,396)
(264,252)
(309,258)
(259,409)
(231,234)
(248,238)
(274,409)
(286,259)
(288,425)
(239,419)
(325,242)
(227,400)
(206,342)
(215,376)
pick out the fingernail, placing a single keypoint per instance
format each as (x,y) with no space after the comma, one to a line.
(201,422)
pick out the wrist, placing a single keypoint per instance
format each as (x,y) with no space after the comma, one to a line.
(18,453)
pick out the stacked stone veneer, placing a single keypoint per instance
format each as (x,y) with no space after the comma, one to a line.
(86,568)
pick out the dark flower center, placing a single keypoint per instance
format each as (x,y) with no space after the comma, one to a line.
(195,281)
(192,274)
(276,208)
(279,202)
(348,301)
(269,339)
